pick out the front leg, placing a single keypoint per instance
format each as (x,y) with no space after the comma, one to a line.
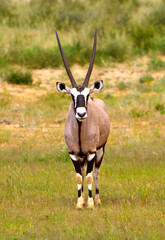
(90,161)
(77,165)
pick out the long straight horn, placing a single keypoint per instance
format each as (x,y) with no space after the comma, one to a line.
(66,64)
(86,81)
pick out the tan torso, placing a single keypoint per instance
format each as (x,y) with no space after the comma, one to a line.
(90,134)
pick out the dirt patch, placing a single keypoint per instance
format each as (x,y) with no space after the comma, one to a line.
(112,74)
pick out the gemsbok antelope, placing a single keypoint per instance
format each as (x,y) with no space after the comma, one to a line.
(86,130)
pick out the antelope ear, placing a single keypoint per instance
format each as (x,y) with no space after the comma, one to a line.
(61,87)
(97,86)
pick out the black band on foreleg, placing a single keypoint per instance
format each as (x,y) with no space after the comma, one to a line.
(90,165)
(77,166)
(90,193)
(79,193)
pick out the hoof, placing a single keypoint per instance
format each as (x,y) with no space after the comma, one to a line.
(80,203)
(90,203)
(97,201)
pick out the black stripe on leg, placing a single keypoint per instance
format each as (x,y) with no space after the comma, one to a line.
(97,191)
(77,166)
(97,164)
(90,165)
(90,193)
(79,193)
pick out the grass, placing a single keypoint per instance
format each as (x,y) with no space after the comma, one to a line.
(40,201)
(38,190)
(4,99)
(156,64)
(19,77)
(5,136)
(146,79)
(125,30)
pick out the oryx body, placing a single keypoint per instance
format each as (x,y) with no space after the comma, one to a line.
(86,130)
(86,137)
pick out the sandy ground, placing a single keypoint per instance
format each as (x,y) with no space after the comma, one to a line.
(113,74)
(44,81)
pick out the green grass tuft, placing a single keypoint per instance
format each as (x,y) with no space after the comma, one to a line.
(160,107)
(5,136)
(121,85)
(146,79)
(19,77)
(135,113)
(156,64)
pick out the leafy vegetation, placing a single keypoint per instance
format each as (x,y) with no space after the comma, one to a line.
(122,86)
(37,178)
(156,64)
(123,31)
(19,77)
(146,79)
(160,107)
(38,190)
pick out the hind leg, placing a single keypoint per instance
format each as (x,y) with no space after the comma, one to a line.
(96,172)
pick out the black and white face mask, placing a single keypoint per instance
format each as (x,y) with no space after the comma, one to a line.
(80,97)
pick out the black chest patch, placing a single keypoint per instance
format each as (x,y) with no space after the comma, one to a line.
(80,101)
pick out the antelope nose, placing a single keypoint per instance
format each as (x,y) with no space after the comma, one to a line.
(82,114)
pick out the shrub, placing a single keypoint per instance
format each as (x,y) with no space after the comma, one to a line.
(146,79)
(121,86)
(143,36)
(19,77)
(118,48)
(160,45)
(157,16)
(160,107)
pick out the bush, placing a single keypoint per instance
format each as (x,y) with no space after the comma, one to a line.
(160,107)
(123,30)
(121,85)
(146,79)
(143,36)
(19,77)
(157,16)
(160,45)
(118,48)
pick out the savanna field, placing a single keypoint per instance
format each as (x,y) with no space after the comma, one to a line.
(38,190)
